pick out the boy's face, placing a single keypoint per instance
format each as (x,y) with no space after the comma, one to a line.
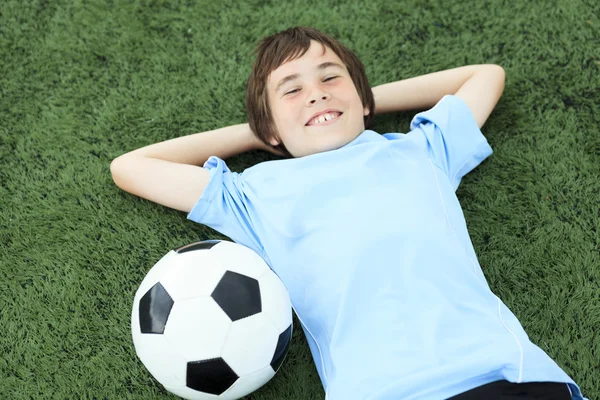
(315,90)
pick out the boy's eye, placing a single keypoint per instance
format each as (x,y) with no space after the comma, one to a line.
(326,79)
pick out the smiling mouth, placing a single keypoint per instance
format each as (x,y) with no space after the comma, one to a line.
(331,121)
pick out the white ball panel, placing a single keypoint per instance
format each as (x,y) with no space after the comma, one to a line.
(197,328)
(157,355)
(195,273)
(246,356)
(275,301)
(241,259)
(155,274)
(190,394)
(249,383)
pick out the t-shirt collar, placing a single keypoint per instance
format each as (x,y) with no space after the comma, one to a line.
(366,136)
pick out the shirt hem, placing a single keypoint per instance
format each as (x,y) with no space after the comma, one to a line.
(511,374)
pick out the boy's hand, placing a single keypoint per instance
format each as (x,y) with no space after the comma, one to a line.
(275,151)
(257,144)
(268,148)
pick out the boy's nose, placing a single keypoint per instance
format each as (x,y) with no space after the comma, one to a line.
(322,95)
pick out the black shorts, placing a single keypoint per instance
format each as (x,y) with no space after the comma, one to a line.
(505,390)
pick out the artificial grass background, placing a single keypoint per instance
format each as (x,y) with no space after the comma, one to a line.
(82,82)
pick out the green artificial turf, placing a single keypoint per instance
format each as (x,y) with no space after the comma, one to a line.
(82,82)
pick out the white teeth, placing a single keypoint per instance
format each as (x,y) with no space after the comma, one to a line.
(323,118)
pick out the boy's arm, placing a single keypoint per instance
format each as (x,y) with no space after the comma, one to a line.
(170,172)
(196,148)
(479,86)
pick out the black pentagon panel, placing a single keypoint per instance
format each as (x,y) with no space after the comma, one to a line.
(155,307)
(204,245)
(238,295)
(283,344)
(212,376)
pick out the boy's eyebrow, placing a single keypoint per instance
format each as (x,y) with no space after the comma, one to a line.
(288,78)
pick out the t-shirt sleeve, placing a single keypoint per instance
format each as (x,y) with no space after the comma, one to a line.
(453,140)
(224,207)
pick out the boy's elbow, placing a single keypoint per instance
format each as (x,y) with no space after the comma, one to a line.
(114,164)
(116,170)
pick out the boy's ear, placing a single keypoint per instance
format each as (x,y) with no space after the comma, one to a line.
(274,141)
(367,111)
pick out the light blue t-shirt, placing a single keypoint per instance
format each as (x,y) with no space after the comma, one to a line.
(372,245)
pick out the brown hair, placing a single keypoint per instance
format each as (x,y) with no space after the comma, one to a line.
(275,50)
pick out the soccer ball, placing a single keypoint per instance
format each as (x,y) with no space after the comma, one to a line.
(211,321)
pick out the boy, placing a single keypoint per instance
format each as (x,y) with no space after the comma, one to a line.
(365,230)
